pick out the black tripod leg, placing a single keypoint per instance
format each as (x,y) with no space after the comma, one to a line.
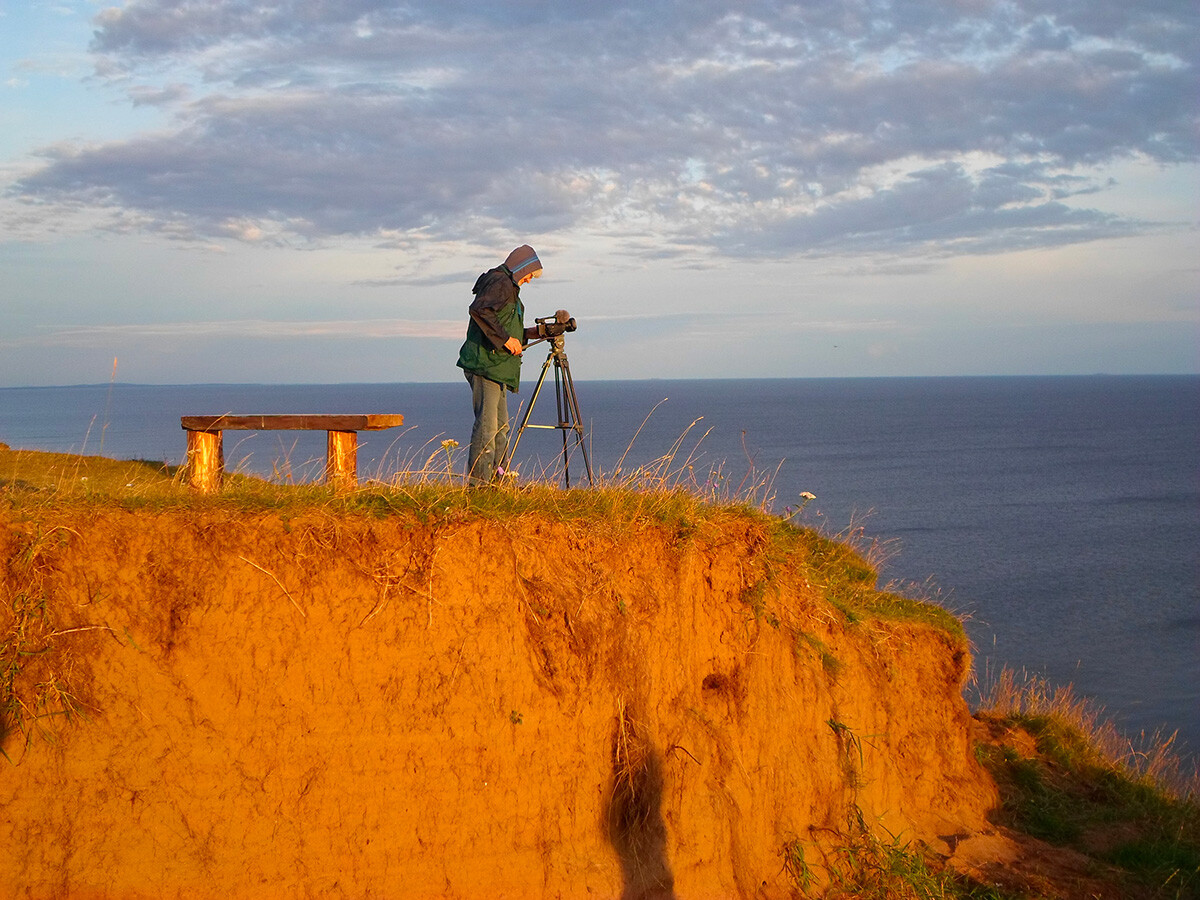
(511,448)
(560,402)
(573,400)
(567,403)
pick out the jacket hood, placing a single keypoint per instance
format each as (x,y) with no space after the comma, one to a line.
(523,261)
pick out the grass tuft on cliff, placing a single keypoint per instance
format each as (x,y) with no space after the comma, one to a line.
(1069,778)
(865,866)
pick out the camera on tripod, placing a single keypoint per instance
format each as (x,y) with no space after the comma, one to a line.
(552,328)
(555,325)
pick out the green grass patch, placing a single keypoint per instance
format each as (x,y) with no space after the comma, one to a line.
(1089,789)
(847,575)
(40,476)
(896,607)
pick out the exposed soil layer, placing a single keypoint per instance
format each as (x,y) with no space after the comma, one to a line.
(370,707)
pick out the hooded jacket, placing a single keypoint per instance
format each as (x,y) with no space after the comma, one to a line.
(496,315)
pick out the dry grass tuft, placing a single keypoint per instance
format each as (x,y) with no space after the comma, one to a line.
(1148,758)
(37,686)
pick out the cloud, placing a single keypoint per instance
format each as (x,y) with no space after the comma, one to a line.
(942,208)
(456,278)
(167,95)
(772,128)
(103,335)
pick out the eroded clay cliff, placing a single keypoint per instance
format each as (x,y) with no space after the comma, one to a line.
(359,706)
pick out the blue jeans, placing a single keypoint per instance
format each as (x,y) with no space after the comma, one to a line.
(489,436)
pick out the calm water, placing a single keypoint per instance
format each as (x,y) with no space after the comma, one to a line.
(1061,514)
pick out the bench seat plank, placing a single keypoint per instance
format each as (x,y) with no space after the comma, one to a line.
(292,422)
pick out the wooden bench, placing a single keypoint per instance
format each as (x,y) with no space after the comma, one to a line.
(206,456)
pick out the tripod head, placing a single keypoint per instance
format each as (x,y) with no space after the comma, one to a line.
(552,328)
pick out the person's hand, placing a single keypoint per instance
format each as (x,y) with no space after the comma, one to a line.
(513,346)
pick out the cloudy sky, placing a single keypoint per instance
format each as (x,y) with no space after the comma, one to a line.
(305,190)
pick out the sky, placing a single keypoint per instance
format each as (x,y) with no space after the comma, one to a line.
(304,191)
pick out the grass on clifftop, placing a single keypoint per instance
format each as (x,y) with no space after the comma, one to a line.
(663,495)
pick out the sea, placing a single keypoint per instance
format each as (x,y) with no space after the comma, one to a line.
(1060,516)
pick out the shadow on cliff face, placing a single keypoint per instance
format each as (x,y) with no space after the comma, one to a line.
(634,822)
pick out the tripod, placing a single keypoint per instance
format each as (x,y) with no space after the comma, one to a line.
(568,410)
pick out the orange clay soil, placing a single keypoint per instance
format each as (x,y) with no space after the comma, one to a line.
(348,706)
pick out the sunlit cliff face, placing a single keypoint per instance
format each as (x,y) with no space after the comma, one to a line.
(323,702)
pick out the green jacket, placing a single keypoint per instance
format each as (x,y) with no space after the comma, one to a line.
(496,315)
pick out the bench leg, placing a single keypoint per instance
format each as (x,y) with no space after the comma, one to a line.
(205,461)
(341,460)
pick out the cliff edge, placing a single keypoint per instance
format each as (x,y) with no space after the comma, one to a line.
(263,704)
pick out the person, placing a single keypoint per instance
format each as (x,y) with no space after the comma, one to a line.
(490,357)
